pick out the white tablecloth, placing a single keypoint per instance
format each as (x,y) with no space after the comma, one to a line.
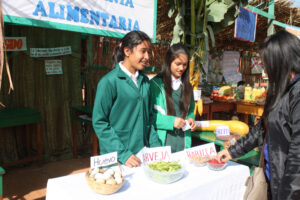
(197,183)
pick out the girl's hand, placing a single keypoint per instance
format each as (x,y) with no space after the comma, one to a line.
(224,156)
(133,161)
(179,123)
(192,123)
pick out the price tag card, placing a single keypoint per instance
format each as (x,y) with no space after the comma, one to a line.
(222,131)
(156,154)
(104,160)
(204,150)
(197,95)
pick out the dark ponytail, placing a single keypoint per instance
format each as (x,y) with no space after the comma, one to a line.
(130,40)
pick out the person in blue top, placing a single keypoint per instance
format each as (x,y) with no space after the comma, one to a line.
(122,116)
(280,123)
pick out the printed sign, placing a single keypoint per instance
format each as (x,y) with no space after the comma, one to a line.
(15,44)
(204,150)
(245,25)
(53,67)
(256,65)
(113,18)
(104,160)
(197,95)
(50,52)
(156,154)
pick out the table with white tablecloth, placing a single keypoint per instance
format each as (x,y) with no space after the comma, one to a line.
(197,183)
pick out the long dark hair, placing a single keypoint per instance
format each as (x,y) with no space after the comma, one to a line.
(166,74)
(130,40)
(281,56)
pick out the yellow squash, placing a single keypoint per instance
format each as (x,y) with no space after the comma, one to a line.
(235,127)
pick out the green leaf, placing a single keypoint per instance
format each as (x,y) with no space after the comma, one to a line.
(211,34)
(216,12)
(178,29)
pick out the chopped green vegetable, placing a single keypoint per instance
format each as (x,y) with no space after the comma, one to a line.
(165,166)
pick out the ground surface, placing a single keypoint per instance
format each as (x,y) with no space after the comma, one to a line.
(30,182)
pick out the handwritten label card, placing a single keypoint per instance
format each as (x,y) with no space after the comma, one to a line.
(104,160)
(202,150)
(222,131)
(156,154)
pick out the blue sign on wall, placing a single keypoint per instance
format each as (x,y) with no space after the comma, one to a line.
(245,25)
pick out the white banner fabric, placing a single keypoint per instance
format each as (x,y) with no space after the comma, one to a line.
(112,18)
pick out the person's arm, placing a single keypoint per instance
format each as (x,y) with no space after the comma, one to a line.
(245,144)
(108,139)
(289,187)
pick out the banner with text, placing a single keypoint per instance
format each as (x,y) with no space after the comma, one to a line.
(113,18)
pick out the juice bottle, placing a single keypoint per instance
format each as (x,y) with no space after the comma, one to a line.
(248,93)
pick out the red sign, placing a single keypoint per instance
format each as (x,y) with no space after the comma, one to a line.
(15,44)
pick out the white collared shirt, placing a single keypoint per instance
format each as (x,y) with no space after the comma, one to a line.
(134,77)
(176,83)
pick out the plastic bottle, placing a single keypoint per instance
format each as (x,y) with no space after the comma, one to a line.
(248,93)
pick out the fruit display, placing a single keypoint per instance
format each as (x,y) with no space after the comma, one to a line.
(164,171)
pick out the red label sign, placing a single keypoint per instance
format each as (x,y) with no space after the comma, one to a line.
(15,44)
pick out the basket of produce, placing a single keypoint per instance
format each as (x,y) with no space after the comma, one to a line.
(164,171)
(198,161)
(105,181)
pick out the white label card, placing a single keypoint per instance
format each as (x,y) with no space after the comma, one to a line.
(222,130)
(156,154)
(104,160)
(204,150)
(202,123)
(187,126)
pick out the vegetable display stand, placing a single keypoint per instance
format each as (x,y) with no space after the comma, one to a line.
(23,117)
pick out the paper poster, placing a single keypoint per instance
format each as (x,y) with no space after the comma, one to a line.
(15,43)
(256,65)
(245,25)
(50,52)
(104,160)
(53,67)
(230,64)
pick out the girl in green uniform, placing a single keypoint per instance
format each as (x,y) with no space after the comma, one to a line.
(172,99)
(122,114)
